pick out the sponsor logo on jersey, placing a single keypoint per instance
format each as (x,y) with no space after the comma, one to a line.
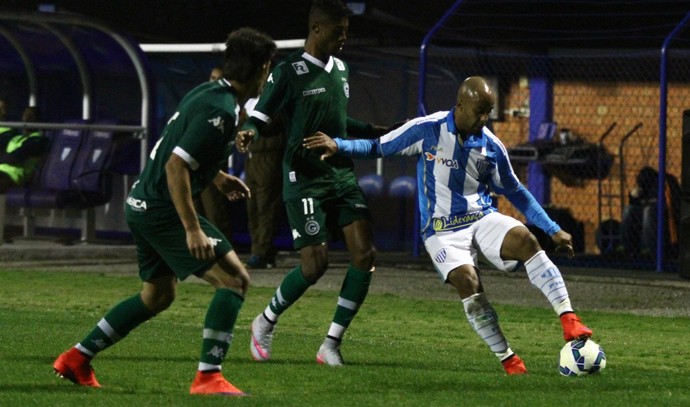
(442,161)
(218,123)
(300,68)
(137,205)
(455,222)
(360,206)
(292,176)
(339,64)
(310,92)
(346,89)
(440,256)
(312,227)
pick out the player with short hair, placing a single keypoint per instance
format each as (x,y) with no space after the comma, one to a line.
(460,162)
(310,89)
(172,241)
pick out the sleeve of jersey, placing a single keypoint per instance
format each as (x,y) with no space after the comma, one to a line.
(273,97)
(524,201)
(357,148)
(202,134)
(405,140)
(506,183)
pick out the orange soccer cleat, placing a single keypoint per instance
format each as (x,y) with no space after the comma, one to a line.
(214,383)
(514,365)
(573,328)
(76,367)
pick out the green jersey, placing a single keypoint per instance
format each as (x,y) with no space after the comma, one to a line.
(311,96)
(201,132)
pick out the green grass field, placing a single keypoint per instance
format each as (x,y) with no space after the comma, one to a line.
(399,351)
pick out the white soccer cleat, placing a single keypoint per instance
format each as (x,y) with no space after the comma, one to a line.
(329,353)
(262,336)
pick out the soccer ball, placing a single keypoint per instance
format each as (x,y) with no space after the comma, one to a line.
(581,358)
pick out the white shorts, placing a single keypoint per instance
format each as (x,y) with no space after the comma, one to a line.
(480,242)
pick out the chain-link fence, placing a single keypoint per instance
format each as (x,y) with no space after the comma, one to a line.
(582,127)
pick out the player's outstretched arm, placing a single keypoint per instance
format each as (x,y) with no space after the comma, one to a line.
(321,141)
(231,186)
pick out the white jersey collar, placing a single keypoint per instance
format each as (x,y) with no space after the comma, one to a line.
(327,66)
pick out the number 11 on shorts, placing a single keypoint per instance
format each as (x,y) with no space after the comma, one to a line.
(308,204)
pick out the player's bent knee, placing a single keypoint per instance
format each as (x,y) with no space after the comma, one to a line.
(520,243)
(159,301)
(465,280)
(236,279)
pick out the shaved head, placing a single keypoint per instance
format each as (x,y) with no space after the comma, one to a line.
(476,89)
(474,103)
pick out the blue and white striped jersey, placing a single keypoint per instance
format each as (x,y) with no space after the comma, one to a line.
(455,180)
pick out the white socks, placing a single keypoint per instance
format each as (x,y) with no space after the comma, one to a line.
(484,321)
(544,275)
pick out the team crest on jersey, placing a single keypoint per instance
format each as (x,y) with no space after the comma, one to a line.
(346,89)
(442,161)
(218,123)
(340,65)
(300,67)
(483,167)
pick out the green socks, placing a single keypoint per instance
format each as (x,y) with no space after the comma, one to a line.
(115,325)
(352,294)
(218,325)
(290,290)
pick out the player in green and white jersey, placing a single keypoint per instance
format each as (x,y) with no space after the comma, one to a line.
(172,241)
(311,90)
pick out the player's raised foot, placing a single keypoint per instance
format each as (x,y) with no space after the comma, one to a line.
(75,367)
(262,337)
(329,353)
(573,328)
(214,383)
(513,365)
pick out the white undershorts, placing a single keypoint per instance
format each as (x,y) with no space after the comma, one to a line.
(480,242)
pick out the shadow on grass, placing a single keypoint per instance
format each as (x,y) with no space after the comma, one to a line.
(42,359)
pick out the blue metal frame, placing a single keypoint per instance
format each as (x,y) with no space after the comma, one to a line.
(663,99)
